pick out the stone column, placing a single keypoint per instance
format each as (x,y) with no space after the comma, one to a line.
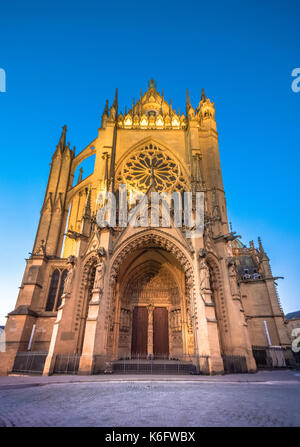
(95,308)
(216,362)
(116,323)
(150,331)
(184,325)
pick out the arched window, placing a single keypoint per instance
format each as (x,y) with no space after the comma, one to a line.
(61,288)
(56,290)
(53,290)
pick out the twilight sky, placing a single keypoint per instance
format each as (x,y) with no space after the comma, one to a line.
(64,58)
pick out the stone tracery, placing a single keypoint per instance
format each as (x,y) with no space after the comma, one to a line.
(151,165)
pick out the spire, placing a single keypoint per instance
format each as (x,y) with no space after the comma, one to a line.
(106,108)
(113,117)
(188,105)
(188,102)
(261,249)
(113,113)
(62,141)
(203,96)
(104,114)
(115,104)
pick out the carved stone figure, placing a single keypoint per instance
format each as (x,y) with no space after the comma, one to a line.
(100,252)
(228,249)
(204,275)
(70,275)
(42,249)
(233,279)
(99,276)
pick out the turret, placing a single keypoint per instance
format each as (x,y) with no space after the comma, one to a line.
(206,112)
(53,213)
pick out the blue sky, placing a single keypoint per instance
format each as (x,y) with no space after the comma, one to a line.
(63,59)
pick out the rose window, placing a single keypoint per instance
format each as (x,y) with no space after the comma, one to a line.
(151,166)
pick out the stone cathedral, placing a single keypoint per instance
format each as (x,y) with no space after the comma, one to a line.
(98,296)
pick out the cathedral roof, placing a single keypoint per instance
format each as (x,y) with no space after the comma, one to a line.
(237,244)
(293,315)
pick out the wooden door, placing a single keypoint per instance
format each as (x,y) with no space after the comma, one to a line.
(160,332)
(139,332)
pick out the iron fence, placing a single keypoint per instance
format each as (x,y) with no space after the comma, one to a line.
(270,357)
(141,364)
(234,364)
(66,364)
(29,362)
(261,357)
(292,359)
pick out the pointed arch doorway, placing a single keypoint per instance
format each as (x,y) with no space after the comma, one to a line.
(150,308)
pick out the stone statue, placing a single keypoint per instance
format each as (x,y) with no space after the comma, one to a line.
(99,276)
(70,276)
(100,252)
(42,249)
(232,279)
(228,249)
(204,275)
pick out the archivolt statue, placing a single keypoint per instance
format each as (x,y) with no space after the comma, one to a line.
(70,276)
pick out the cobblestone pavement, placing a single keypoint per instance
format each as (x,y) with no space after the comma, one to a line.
(263,399)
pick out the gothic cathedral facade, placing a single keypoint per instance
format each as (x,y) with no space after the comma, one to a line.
(111,293)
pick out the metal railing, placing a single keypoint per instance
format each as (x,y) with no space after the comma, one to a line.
(270,357)
(66,364)
(29,362)
(234,364)
(158,364)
